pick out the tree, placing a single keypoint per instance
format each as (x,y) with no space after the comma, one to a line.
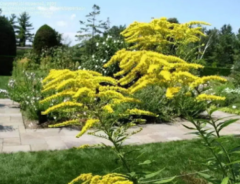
(7,46)
(92,27)
(12,21)
(23,29)
(115,31)
(173,20)
(45,38)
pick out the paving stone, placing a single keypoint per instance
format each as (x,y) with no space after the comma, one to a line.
(4,119)
(8,134)
(11,141)
(16,119)
(55,143)
(12,149)
(39,147)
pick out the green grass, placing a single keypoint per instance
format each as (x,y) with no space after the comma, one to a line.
(3,83)
(60,167)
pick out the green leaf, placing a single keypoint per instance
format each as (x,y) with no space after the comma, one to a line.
(206,176)
(146,162)
(225,180)
(226,123)
(235,162)
(148,176)
(212,110)
(165,181)
(190,128)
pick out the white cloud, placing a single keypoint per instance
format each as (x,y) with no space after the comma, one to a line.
(73,16)
(61,23)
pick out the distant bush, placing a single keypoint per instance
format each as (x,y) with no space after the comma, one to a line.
(45,38)
(215,71)
(7,47)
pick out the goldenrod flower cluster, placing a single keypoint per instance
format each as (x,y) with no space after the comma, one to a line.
(112,178)
(159,31)
(83,88)
(172,91)
(205,97)
(157,69)
(144,67)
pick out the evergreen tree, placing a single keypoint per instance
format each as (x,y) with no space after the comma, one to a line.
(13,21)
(92,28)
(23,29)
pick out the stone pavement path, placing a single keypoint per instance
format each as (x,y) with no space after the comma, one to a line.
(14,137)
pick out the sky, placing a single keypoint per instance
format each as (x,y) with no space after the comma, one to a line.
(64,15)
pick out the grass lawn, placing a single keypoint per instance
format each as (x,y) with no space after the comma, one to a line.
(60,167)
(3,83)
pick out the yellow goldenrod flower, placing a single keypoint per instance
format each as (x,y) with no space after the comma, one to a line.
(89,123)
(112,178)
(82,177)
(83,146)
(66,123)
(205,79)
(82,91)
(172,91)
(62,105)
(61,94)
(108,108)
(205,97)
(140,112)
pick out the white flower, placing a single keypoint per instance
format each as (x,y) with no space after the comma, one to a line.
(104,60)
(3,91)
(55,117)
(93,56)
(96,66)
(103,43)
(84,113)
(234,106)
(79,67)
(97,44)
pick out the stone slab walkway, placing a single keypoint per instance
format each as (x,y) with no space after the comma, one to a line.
(14,137)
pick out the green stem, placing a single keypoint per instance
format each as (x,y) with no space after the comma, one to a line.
(224,150)
(117,148)
(209,147)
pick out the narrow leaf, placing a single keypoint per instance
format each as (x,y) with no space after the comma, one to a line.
(165,181)
(225,180)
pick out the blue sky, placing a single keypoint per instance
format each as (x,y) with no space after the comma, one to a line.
(64,15)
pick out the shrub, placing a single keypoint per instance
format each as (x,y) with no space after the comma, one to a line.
(141,68)
(59,58)
(7,47)
(230,91)
(167,109)
(45,37)
(24,87)
(105,48)
(215,71)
